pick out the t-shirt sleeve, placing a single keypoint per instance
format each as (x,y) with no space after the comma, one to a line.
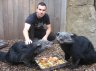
(29,19)
(47,19)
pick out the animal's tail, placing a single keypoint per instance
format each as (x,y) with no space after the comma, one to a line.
(94,56)
(3,56)
(91,57)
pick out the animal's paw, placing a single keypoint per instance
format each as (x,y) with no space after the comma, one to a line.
(74,66)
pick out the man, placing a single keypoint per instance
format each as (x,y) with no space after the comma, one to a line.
(34,25)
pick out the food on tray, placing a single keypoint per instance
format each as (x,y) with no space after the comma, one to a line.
(46,62)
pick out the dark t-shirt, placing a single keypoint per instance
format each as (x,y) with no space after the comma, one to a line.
(37,23)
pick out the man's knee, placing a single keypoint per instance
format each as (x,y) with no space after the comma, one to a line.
(51,37)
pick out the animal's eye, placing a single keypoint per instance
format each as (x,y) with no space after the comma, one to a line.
(57,34)
(38,45)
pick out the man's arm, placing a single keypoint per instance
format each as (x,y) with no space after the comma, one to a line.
(26,34)
(48,31)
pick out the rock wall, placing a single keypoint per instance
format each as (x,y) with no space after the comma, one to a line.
(81,18)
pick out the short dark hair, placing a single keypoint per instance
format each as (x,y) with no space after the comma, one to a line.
(41,3)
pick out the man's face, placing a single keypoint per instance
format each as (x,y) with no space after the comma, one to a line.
(41,10)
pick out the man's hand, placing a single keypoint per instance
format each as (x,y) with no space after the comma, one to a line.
(29,41)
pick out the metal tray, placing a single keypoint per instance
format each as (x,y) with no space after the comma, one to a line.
(51,67)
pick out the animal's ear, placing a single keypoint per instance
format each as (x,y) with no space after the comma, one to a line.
(72,34)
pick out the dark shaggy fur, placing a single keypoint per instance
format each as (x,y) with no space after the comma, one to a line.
(21,53)
(78,47)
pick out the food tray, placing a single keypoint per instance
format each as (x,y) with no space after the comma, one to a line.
(50,63)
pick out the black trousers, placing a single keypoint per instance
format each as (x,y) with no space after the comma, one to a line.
(39,33)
